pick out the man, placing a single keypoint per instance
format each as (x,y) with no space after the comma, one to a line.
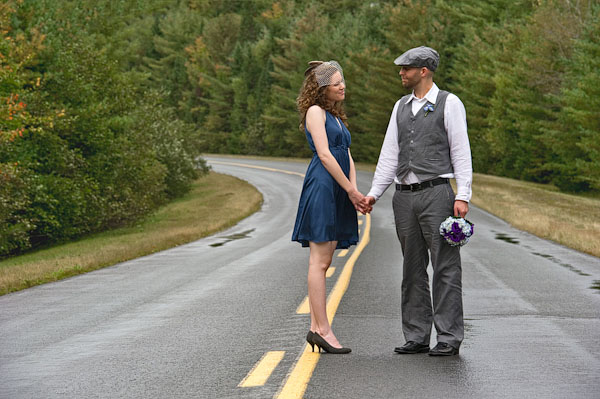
(425,145)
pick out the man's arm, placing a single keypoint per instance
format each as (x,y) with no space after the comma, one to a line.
(387,165)
(455,120)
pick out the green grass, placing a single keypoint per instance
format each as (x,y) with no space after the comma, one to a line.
(570,220)
(214,203)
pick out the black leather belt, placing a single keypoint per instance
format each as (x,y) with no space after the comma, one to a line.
(422,185)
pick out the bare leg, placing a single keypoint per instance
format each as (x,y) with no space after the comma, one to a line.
(313,322)
(321,255)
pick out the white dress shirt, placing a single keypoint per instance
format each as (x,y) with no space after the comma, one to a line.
(455,122)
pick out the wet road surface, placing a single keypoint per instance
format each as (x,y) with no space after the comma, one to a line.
(193,321)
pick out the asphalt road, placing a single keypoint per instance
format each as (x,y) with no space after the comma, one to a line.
(193,321)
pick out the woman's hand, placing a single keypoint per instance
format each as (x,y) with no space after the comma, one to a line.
(356,198)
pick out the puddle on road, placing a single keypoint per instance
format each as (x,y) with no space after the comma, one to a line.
(513,240)
(236,236)
(504,237)
(559,262)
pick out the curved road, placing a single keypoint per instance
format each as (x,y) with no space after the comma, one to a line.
(196,320)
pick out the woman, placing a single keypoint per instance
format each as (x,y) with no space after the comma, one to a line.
(326,218)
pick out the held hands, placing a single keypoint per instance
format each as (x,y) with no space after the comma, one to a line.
(367,203)
(370,201)
(360,202)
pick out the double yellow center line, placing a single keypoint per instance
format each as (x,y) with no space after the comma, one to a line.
(299,376)
(298,379)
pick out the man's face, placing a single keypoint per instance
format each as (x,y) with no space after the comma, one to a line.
(411,76)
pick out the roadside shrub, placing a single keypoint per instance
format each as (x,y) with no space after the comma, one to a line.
(84,145)
(14,201)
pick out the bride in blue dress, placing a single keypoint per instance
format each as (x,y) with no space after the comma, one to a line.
(326,218)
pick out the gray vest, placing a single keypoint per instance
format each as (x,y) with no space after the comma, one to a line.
(423,140)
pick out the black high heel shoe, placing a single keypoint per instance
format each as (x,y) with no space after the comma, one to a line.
(322,344)
(310,339)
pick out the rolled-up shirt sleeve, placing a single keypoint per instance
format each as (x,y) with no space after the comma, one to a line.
(387,164)
(455,120)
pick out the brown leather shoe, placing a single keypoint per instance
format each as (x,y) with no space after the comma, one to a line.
(443,349)
(411,347)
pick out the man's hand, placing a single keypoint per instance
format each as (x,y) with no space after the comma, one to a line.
(367,203)
(461,208)
(370,201)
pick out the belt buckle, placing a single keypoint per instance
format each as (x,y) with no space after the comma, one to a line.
(416,187)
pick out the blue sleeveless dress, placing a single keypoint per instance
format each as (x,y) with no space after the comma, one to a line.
(325,213)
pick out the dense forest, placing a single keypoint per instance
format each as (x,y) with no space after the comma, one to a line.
(106,105)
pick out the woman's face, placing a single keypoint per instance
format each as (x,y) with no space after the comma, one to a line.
(336,91)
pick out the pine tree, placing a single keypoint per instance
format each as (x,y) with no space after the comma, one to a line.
(282,135)
(374,87)
(250,67)
(176,30)
(575,138)
(209,70)
(526,83)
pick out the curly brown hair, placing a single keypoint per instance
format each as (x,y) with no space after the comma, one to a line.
(311,94)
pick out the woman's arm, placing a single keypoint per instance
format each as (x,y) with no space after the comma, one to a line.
(352,170)
(315,123)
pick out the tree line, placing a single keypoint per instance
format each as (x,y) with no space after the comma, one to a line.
(527,72)
(106,105)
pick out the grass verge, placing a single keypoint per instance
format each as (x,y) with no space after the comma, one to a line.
(215,202)
(570,220)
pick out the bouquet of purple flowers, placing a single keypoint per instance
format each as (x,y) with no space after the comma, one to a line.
(456,230)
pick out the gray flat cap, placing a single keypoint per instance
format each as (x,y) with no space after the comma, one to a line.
(419,57)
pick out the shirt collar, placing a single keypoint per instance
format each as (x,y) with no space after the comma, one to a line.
(431,95)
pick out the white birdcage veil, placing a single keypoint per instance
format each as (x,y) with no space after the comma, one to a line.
(324,71)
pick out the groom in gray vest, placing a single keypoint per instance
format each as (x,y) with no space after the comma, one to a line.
(425,145)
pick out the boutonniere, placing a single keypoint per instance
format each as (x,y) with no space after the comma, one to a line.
(428,108)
